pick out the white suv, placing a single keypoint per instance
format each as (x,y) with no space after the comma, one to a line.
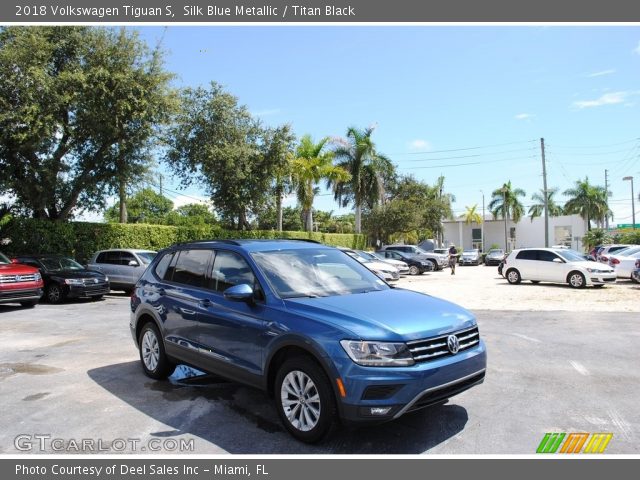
(556,265)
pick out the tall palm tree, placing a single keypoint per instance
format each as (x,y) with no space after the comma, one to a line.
(472,215)
(587,200)
(537,209)
(367,168)
(312,164)
(505,202)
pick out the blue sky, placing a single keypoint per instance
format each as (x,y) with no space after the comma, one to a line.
(433,91)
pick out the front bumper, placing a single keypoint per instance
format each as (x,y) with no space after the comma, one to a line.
(601,278)
(405,389)
(16,295)
(91,290)
(469,261)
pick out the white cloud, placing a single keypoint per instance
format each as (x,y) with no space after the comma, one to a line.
(601,73)
(420,145)
(266,113)
(611,98)
(524,116)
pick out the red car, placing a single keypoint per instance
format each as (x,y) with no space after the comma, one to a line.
(19,283)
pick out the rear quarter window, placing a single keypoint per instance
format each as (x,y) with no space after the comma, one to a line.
(163,265)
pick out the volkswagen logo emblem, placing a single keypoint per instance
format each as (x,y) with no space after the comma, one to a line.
(95,280)
(18,278)
(453,344)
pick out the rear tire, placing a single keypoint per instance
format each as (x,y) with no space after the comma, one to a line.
(513,276)
(305,400)
(155,363)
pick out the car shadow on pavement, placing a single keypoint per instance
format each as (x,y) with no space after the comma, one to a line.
(242,420)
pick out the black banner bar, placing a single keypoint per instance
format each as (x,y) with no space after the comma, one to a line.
(290,11)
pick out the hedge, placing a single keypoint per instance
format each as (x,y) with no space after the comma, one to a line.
(81,239)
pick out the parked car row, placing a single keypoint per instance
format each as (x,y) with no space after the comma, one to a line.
(27,279)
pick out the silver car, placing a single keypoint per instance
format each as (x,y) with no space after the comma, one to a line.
(123,266)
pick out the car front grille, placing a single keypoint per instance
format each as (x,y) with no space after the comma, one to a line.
(442,394)
(29,277)
(20,294)
(436,347)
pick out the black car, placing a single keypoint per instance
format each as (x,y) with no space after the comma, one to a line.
(495,256)
(417,265)
(65,278)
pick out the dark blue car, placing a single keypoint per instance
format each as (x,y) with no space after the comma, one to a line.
(317,330)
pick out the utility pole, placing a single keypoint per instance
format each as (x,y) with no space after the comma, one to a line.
(504,215)
(545,195)
(482,249)
(606,198)
(160,184)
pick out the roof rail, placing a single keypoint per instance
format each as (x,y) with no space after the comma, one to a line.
(300,240)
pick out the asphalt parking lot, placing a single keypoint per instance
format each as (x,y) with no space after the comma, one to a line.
(70,373)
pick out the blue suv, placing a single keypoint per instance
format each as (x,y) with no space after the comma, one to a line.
(323,335)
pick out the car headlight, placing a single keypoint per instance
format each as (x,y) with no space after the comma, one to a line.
(378,354)
(106,279)
(37,277)
(73,281)
(597,270)
(423,263)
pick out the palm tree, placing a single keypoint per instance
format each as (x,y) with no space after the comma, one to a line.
(537,209)
(588,201)
(472,215)
(505,202)
(367,168)
(311,165)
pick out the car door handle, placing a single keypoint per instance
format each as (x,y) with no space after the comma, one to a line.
(205,302)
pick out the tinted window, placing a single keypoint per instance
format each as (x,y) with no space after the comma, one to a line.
(163,265)
(230,269)
(126,257)
(104,257)
(527,255)
(546,256)
(191,267)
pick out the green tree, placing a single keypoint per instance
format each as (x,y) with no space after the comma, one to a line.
(537,209)
(587,200)
(367,168)
(216,142)
(312,164)
(291,219)
(144,206)
(505,202)
(280,149)
(596,236)
(471,215)
(79,106)
(191,214)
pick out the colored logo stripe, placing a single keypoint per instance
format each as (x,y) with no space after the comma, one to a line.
(598,442)
(550,442)
(574,442)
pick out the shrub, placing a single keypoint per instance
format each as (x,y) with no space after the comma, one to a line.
(81,239)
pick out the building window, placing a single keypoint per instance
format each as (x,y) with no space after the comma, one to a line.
(562,235)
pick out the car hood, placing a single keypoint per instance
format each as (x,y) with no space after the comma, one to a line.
(590,264)
(17,269)
(394,314)
(470,254)
(76,274)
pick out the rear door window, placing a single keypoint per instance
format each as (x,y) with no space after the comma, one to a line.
(191,267)
(527,255)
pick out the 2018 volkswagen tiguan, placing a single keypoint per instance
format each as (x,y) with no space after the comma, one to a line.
(313,327)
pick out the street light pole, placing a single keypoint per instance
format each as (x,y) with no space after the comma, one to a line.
(633,205)
(504,215)
(482,225)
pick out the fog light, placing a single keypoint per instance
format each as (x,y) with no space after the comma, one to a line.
(379,410)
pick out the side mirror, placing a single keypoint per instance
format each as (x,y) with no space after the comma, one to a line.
(557,260)
(14,260)
(133,263)
(239,293)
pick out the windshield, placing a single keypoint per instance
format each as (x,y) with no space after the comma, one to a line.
(625,252)
(571,255)
(496,252)
(60,263)
(146,257)
(316,272)
(470,251)
(4,259)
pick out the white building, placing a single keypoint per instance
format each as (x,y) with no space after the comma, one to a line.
(564,230)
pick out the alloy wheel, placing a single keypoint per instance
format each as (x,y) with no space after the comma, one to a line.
(150,350)
(300,401)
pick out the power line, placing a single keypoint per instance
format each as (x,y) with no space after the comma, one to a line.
(553,145)
(471,163)
(465,148)
(469,156)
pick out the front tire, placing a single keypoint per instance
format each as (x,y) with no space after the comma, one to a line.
(577,280)
(305,400)
(413,270)
(435,265)
(54,293)
(152,355)
(513,276)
